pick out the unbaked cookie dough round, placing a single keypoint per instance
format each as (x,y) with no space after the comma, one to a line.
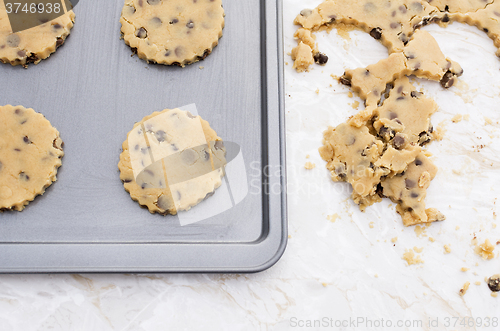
(35,44)
(172,31)
(30,154)
(171,161)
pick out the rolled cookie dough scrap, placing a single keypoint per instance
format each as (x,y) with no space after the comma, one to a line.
(171,161)
(409,189)
(35,44)
(30,155)
(404,117)
(422,57)
(172,31)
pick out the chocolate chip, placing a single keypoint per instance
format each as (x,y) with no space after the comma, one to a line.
(418,162)
(179,51)
(156,22)
(404,38)
(398,121)
(32,58)
(189,156)
(27,140)
(141,33)
(13,40)
(167,52)
(393,115)
(127,180)
(130,9)
(494,283)
(448,80)
(21,53)
(402,9)
(417,6)
(24,177)
(23,122)
(149,172)
(206,155)
(1,165)
(386,133)
(17,149)
(160,135)
(144,150)
(410,183)
(320,58)
(376,33)
(414,195)
(446,8)
(332,18)
(445,18)
(351,141)
(175,148)
(163,203)
(143,186)
(486,30)
(399,141)
(400,98)
(400,89)
(190,24)
(179,195)
(306,12)
(140,3)
(344,81)
(219,145)
(136,147)
(424,138)
(417,66)
(18,111)
(154,2)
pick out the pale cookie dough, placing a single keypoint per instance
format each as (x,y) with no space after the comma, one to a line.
(171,161)
(422,57)
(172,31)
(409,189)
(392,23)
(30,154)
(35,44)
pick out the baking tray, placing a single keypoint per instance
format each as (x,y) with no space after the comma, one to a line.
(93,92)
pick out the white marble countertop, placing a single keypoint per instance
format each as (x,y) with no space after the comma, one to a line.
(343,274)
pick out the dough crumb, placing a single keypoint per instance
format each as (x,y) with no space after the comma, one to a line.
(372,225)
(410,257)
(457,228)
(457,118)
(488,121)
(317,91)
(447,249)
(394,239)
(432,239)
(201,67)
(308,156)
(464,269)
(467,117)
(477,283)
(419,230)
(350,95)
(324,284)
(309,165)
(484,250)
(332,218)
(438,133)
(355,105)
(494,294)
(464,288)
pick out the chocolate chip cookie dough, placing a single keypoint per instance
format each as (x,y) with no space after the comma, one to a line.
(171,161)
(172,32)
(35,44)
(30,154)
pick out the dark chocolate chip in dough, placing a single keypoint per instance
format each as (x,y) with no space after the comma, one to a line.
(376,33)
(13,40)
(143,186)
(1,165)
(156,22)
(320,58)
(394,25)
(21,53)
(445,18)
(57,26)
(448,80)
(17,149)
(140,2)
(190,24)
(163,203)
(141,33)
(160,135)
(179,51)
(344,81)
(154,2)
(127,180)
(179,195)
(219,145)
(306,12)
(418,162)
(414,195)
(27,140)
(400,89)
(402,9)
(24,177)
(33,58)
(189,156)
(350,141)
(399,141)
(400,98)
(410,184)
(494,283)
(424,138)
(167,52)
(149,172)
(206,155)
(417,6)
(415,94)
(386,133)
(175,148)
(136,147)
(174,20)
(393,115)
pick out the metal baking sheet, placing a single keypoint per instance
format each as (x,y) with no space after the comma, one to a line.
(93,92)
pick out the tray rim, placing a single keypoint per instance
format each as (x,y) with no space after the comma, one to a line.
(63,257)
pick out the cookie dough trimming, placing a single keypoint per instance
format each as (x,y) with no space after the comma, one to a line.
(174,31)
